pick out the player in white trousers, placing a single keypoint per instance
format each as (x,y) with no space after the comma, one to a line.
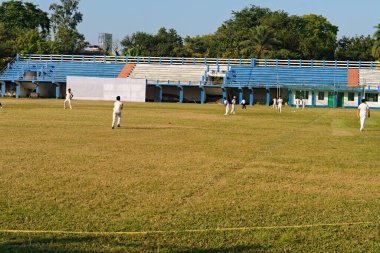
(69,96)
(362,112)
(227,105)
(233,105)
(274,103)
(117,107)
(279,104)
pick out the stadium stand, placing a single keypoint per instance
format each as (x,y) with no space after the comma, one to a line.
(169,73)
(252,79)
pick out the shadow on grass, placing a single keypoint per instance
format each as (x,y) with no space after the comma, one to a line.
(87,244)
(235,249)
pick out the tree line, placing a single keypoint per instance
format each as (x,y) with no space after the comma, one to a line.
(253,32)
(24,29)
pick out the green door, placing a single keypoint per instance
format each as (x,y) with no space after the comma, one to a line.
(331,99)
(340,99)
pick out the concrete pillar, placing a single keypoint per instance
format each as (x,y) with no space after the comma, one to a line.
(268,96)
(17,90)
(251,96)
(57,90)
(240,94)
(2,89)
(359,97)
(37,88)
(159,94)
(203,95)
(180,94)
(290,102)
(312,98)
(224,94)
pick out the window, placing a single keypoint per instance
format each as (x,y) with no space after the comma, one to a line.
(321,95)
(371,97)
(302,94)
(351,96)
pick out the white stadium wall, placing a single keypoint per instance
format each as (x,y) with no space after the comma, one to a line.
(93,88)
(325,100)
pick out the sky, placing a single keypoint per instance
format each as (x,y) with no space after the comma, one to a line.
(199,17)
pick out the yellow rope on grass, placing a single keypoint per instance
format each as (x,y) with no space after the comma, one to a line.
(181,231)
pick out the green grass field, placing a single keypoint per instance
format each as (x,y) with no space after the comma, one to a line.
(257,181)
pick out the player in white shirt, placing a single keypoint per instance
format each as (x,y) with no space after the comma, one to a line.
(227,105)
(279,104)
(69,96)
(233,105)
(243,104)
(297,103)
(274,103)
(117,107)
(362,112)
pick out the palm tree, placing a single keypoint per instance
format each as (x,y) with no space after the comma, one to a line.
(261,38)
(376,44)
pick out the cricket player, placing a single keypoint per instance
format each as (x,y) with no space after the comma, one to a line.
(233,105)
(227,105)
(243,104)
(362,112)
(274,103)
(69,96)
(117,107)
(297,103)
(279,104)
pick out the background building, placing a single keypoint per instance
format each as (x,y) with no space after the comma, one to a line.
(105,42)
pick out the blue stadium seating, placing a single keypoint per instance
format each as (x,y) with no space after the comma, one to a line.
(58,71)
(259,76)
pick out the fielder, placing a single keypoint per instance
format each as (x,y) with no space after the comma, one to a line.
(279,104)
(117,107)
(227,105)
(274,103)
(243,104)
(233,105)
(362,112)
(69,96)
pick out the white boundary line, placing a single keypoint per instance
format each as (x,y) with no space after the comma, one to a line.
(183,231)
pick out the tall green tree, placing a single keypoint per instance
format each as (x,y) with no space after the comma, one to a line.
(24,28)
(376,44)
(318,40)
(17,14)
(354,48)
(164,43)
(65,18)
(261,40)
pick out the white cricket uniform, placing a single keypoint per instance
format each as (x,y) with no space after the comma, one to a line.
(117,107)
(227,104)
(279,104)
(233,106)
(297,103)
(69,96)
(274,103)
(363,107)
(303,103)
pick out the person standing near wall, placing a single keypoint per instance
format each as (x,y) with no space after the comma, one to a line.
(69,96)
(117,107)
(227,105)
(362,112)
(274,103)
(279,104)
(243,104)
(233,105)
